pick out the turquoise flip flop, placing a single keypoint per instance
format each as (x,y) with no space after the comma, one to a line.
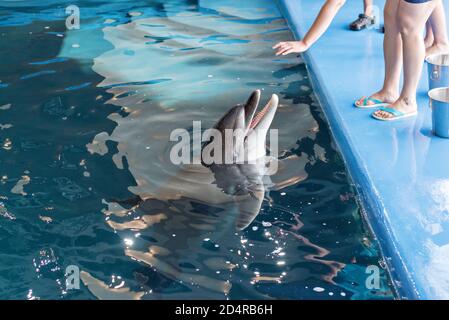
(397,115)
(376,103)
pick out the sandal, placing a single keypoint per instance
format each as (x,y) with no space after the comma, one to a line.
(368,103)
(397,115)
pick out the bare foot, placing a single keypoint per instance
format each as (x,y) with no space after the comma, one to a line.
(437,48)
(386,97)
(403,105)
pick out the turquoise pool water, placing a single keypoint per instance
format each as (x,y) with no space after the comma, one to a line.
(85,119)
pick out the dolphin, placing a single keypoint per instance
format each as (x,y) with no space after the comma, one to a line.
(206,204)
(230,197)
(244,182)
(232,184)
(235,187)
(253,129)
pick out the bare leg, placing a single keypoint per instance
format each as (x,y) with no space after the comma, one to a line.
(428,40)
(437,23)
(392,55)
(368,7)
(411,19)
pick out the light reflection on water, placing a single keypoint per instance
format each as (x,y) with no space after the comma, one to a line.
(86,178)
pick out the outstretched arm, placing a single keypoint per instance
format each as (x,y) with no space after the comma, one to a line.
(320,25)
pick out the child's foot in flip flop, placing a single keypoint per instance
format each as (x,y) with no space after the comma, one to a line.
(399,110)
(377,100)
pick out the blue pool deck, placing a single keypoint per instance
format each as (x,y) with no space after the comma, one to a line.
(400,170)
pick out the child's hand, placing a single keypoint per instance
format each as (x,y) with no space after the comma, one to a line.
(284,48)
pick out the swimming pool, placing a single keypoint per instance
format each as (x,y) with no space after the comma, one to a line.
(85,118)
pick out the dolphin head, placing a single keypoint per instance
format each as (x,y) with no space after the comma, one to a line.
(239,170)
(247,130)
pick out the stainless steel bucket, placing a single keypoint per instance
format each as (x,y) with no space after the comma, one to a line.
(438,69)
(439,102)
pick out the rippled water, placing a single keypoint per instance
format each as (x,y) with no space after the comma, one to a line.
(85,119)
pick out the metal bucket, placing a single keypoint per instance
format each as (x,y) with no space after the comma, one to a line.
(439,102)
(438,69)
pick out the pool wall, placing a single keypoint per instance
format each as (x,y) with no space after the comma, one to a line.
(400,170)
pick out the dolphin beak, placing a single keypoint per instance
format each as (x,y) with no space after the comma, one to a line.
(251,107)
(264,118)
(244,116)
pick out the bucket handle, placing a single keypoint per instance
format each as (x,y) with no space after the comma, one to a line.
(436,73)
